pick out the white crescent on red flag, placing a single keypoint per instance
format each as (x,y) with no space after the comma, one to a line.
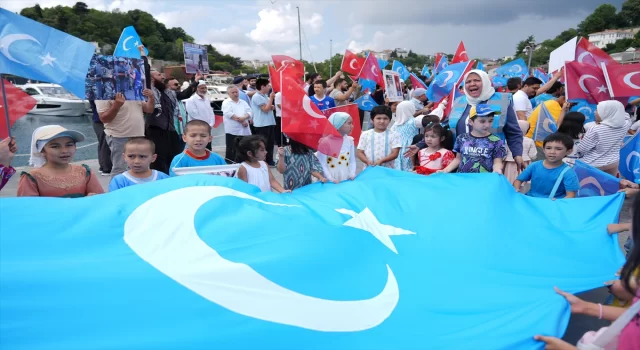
(590,54)
(352,63)
(371,70)
(279,61)
(585,82)
(623,80)
(461,54)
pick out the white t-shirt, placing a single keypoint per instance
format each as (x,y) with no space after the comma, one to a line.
(380,148)
(521,102)
(635,126)
(278,102)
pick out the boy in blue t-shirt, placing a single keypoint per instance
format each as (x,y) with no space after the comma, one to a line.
(197,134)
(139,153)
(546,173)
(320,99)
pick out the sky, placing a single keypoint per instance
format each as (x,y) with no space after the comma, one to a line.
(257,29)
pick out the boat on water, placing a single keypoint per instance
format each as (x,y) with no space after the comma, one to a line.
(54,100)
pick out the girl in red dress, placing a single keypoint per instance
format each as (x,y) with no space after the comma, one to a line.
(437,155)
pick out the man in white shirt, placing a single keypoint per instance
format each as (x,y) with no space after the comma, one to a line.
(199,107)
(236,114)
(280,141)
(521,102)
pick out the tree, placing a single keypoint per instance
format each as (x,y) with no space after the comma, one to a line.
(394,54)
(630,13)
(524,43)
(604,17)
(80,8)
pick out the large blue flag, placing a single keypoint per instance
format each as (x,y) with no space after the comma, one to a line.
(515,68)
(545,125)
(595,182)
(128,44)
(365,102)
(207,262)
(367,85)
(541,75)
(630,159)
(400,69)
(35,51)
(446,81)
(589,110)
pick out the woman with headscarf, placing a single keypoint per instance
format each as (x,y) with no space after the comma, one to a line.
(478,90)
(600,146)
(405,126)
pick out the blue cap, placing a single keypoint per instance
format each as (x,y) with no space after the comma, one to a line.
(481,110)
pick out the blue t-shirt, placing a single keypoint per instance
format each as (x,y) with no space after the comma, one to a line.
(260,117)
(125,179)
(326,103)
(187,160)
(543,180)
(244,96)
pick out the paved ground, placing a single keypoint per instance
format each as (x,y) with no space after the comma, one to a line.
(578,325)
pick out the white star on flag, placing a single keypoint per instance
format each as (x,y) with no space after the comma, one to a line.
(314,124)
(47,59)
(602,89)
(136,43)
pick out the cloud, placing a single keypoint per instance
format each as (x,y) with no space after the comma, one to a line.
(280,25)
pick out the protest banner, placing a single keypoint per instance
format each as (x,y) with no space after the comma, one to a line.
(195,58)
(392,86)
(109,75)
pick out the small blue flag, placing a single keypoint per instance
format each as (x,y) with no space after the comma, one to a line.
(545,125)
(441,65)
(595,182)
(589,110)
(365,102)
(367,85)
(446,81)
(400,69)
(499,81)
(382,63)
(541,75)
(425,72)
(210,262)
(128,44)
(480,66)
(536,101)
(630,159)
(35,51)
(515,68)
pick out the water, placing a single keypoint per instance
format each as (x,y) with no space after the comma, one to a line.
(88,149)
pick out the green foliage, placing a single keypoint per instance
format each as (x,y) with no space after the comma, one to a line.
(630,13)
(105,28)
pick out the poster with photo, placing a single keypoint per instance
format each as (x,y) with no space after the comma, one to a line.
(109,75)
(392,86)
(195,58)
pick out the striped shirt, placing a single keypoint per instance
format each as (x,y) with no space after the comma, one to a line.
(600,146)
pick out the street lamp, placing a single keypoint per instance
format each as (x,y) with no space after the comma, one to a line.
(529,49)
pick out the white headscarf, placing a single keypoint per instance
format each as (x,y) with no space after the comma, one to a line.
(37,159)
(612,113)
(404,112)
(487,89)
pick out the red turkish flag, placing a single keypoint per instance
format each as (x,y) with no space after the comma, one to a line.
(461,54)
(19,104)
(590,54)
(585,82)
(371,70)
(352,63)
(274,78)
(416,82)
(623,80)
(352,110)
(282,60)
(303,122)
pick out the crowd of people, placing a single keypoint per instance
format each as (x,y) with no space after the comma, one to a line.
(485,131)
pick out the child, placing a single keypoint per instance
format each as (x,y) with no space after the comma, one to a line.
(299,165)
(342,167)
(435,157)
(572,124)
(405,126)
(197,135)
(252,151)
(478,151)
(379,146)
(529,152)
(551,177)
(139,153)
(52,150)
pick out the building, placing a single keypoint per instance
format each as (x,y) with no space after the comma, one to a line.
(402,53)
(255,63)
(610,36)
(631,55)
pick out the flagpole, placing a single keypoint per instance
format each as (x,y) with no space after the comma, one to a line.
(330,56)
(6,106)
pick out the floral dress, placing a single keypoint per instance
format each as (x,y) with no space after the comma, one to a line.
(432,162)
(343,166)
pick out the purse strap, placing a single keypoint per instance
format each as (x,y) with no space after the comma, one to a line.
(558,182)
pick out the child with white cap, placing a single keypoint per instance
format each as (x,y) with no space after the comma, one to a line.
(340,166)
(52,151)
